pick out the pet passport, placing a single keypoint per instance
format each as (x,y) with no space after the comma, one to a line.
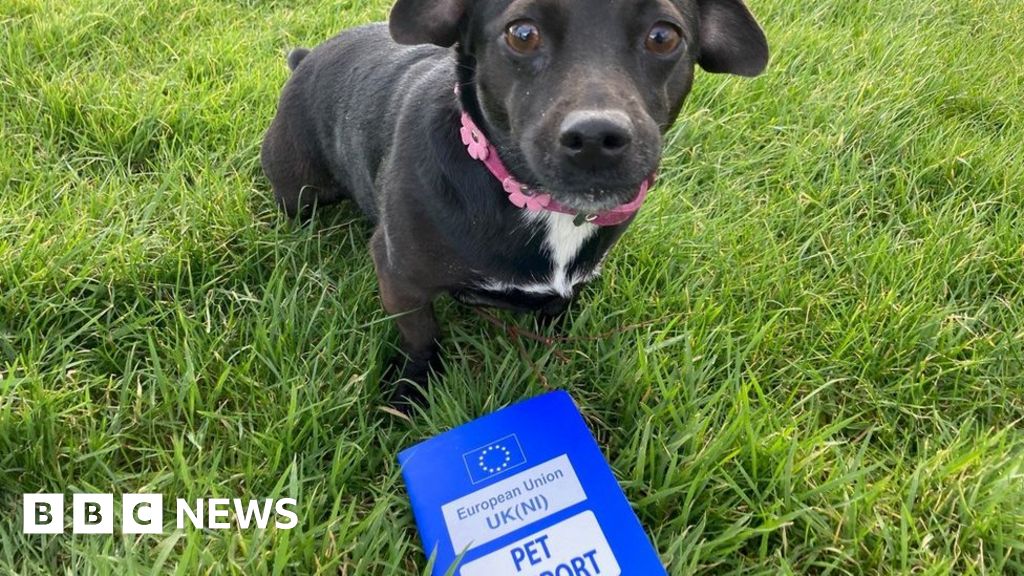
(524,492)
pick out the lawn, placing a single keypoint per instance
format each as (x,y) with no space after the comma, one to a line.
(806,356)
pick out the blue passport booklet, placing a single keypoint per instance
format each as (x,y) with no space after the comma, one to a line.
(524,492)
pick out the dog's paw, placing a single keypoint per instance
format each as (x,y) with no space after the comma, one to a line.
(407,381)
(553,315)
(406,395)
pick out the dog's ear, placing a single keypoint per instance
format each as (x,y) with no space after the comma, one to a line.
(427,21)
(731,40)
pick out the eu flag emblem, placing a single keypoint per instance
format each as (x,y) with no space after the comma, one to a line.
(494,459)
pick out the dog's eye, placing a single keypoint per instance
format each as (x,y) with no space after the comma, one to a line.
(523,36)
(663,38)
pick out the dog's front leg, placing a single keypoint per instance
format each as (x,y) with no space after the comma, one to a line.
(413,309)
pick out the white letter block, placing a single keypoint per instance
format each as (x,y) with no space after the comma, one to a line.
(142,514)
(43,514)
(92,514)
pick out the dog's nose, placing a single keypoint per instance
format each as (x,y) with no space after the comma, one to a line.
(592,139)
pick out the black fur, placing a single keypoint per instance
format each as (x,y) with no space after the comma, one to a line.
(367,119)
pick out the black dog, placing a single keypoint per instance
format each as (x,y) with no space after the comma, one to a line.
(565,100)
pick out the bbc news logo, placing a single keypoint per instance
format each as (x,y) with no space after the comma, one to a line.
(144,514)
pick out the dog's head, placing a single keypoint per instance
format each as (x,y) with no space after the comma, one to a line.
(576,94)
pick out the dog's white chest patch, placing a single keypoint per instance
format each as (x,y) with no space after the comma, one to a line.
(563,241)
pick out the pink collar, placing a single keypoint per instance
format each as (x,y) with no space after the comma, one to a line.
(532,200)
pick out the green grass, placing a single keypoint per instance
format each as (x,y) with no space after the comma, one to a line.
(813,359)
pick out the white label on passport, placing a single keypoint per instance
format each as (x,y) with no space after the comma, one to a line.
(573,546)
(508,505)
